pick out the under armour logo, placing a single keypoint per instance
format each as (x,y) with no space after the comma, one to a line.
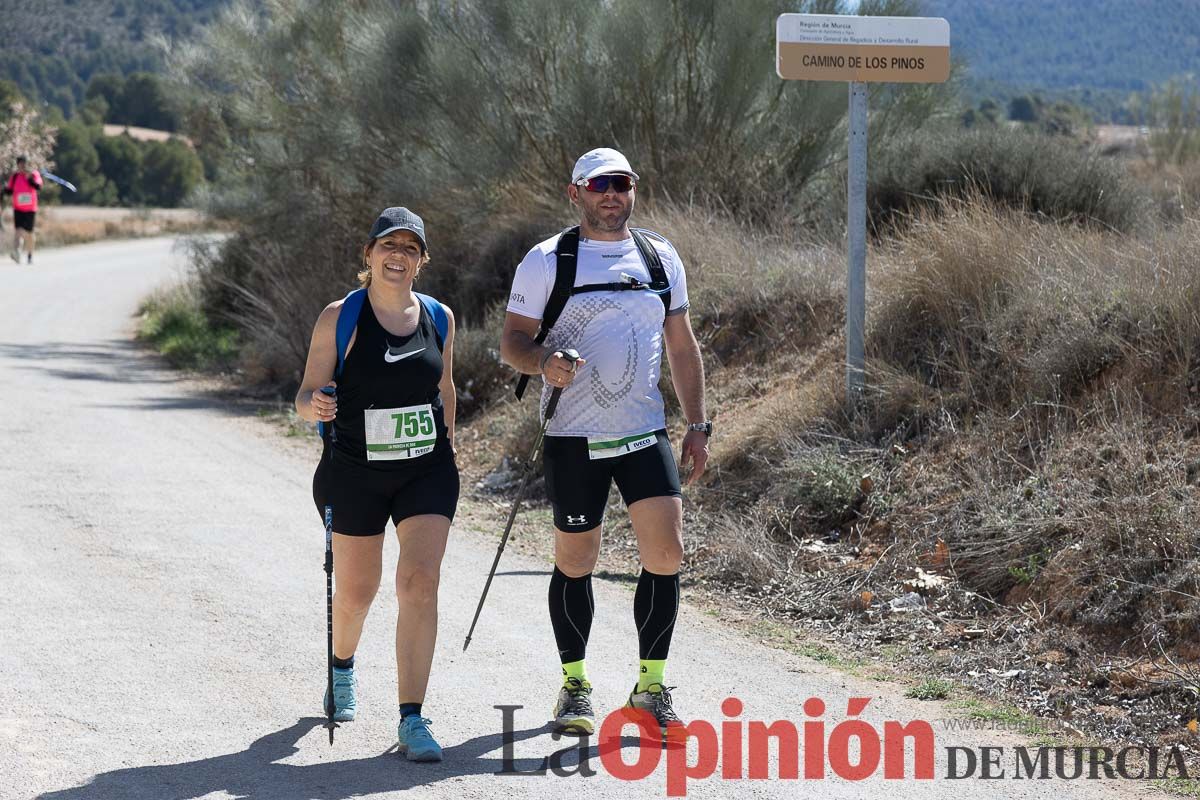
(580,520)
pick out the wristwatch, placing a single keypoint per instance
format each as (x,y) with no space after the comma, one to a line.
(704,427)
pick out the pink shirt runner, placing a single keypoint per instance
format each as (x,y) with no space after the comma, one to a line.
(24,191)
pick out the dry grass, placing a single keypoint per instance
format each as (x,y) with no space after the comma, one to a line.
(64,225)
(993,310)
(1032,407)
(755,296)
(1175,189)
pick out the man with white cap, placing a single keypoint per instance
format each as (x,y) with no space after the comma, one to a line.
(618,296)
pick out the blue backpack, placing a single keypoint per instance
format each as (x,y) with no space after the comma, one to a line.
(348,321)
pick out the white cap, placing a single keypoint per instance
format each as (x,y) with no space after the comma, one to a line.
(601,161)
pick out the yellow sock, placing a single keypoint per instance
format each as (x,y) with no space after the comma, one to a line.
(651,672)
(577,670)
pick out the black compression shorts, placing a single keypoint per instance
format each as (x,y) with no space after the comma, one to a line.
(364,499)
(24,220)
(578,487)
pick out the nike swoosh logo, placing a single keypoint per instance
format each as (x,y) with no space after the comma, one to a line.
(392,358)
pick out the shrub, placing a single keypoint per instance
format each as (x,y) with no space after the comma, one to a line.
(1047,176)
(121,163)
(472,115)
(172,321)
(170,172)
(985,306)
(479,375)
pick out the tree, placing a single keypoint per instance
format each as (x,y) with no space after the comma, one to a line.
(93,111)
(170,171)
(1063,119)
(10,95)
(108,86)
(986,116)
(25,134)
(990,111)
(1022,109)
(78,161)
(121,163)
(144,102)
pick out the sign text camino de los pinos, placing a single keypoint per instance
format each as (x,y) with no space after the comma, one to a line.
(829,47)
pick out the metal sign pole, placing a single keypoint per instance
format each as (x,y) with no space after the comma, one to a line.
(856,239)
(860,50)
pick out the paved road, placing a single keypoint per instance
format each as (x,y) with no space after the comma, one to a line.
(163,609)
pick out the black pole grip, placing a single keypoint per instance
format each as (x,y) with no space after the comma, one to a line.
(327,428)
(552,406)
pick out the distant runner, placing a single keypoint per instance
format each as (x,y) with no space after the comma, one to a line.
(628,298)
(390,456)
(23,185)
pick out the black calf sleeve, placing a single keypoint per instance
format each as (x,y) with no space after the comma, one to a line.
(571,611)
(655,605)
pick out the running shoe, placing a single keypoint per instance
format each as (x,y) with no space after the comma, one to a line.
(573,711)
(416,741)
(16,256)
(657,701)
(345,695)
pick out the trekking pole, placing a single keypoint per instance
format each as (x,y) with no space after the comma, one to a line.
(569,355)
(330,705)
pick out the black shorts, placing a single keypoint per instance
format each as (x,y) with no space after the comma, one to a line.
(24,220)
(363,499)
(578,487)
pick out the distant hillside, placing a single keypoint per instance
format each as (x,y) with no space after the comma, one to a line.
(1126,45)
(52,48)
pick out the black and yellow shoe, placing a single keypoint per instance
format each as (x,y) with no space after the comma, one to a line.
(573,711)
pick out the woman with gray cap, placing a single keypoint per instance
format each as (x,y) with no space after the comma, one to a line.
(388,405)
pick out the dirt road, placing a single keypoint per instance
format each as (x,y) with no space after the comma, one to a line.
(163,609)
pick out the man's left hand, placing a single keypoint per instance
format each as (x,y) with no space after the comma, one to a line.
(694,452)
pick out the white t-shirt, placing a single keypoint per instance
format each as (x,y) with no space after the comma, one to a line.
(619,333)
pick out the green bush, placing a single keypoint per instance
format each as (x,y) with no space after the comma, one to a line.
(121,163)
(1044,175)
(77,159)
(819,487)
(174,324)
(170,172)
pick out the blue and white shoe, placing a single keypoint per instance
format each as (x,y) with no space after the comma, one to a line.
(345,695)
(416,741)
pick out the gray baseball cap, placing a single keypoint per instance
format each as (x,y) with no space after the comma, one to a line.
(399,218)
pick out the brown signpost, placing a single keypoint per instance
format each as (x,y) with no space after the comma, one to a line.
(860,50)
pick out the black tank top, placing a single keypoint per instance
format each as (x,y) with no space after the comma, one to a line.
(388,371)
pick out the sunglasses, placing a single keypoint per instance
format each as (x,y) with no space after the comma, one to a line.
(601,183)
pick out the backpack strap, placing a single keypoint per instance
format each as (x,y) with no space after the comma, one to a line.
(566,254)
(437,312)
(658,275)
(347,321)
